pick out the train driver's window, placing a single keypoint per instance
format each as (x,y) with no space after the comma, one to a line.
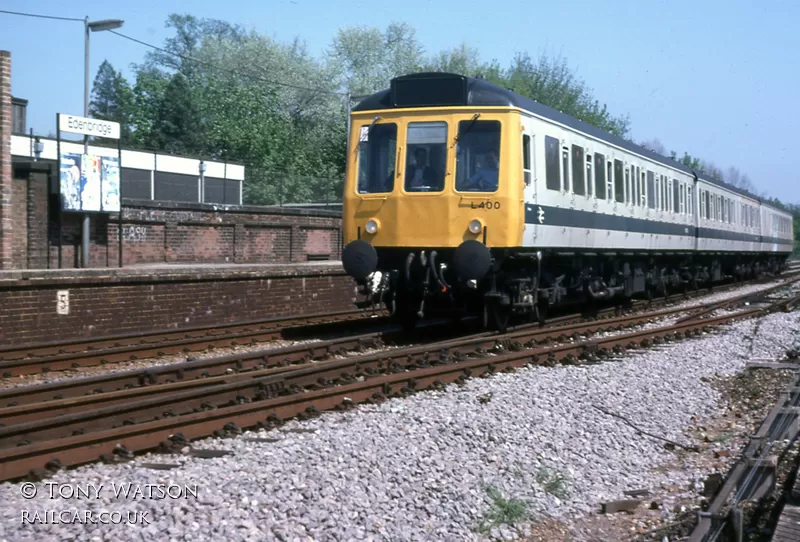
(377,148)
(478,156)
(426,156)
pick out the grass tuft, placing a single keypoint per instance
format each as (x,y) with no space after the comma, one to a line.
(502,511)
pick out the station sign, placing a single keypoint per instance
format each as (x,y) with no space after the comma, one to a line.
(89,127)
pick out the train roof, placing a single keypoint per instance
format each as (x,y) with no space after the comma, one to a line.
(435,89)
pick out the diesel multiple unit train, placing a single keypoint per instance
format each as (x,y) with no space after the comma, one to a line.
(463,196)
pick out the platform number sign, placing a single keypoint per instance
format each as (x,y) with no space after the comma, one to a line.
(62,302)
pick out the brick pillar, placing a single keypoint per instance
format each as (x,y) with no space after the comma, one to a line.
(5,161)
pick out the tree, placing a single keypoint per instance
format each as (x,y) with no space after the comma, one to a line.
(148,94)
(463,60)
(112,100)
(369,59)
(656,146)
(178,128)
(551,82)
(738,179)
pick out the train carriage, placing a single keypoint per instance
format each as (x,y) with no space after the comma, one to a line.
(462,195)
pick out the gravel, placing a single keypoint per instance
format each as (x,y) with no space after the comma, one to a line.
(418,468)
(95,370)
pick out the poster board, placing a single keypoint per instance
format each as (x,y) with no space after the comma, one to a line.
(89,183)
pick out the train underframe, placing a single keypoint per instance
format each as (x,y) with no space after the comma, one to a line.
(413,284)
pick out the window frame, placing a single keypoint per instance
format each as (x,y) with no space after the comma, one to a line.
(600,180)
(619,184)
(393,170)
(550,173)
(500,153)
(578,170)
(527,161)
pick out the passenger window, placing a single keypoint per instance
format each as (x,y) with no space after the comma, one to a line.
(377,150)
(578,185)
(676,195)
(526,159)
(609,181)
(427,156)
(643,201)
(689,202)
(630,180)
(681,197)
(565,167)
(703,205)
(478,156)
(658,193)
(600,176)
(651,190)
(671,203)
(551,163)
(589,177)
(619,182)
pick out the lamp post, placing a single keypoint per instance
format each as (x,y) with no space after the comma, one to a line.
(94,26)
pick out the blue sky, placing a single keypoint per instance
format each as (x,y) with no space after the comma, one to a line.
(717,78)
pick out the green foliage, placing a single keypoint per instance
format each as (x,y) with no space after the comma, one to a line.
(178,128)
(553,482)
(112,100)
(228,93)
(502,511)
(551,82)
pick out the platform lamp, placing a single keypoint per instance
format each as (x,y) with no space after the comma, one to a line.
(202,181)
(94,26)
(38,149)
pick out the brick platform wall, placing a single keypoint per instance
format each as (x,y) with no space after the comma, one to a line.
(165,299)
(165,232)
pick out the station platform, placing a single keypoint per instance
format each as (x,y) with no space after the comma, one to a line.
(169,272)
(63,304)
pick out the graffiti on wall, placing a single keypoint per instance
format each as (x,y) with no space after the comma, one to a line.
(134,234)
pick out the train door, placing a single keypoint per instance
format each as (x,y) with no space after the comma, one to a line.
(531,177)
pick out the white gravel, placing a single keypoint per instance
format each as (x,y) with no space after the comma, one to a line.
(415,469)
(722,296)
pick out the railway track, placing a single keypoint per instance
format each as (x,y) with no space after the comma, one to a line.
(78,353)
(209,368)
(88,427)
(352,325)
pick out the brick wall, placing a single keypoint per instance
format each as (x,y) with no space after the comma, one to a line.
(19,219)
(106,302)
(167,232)
(6,218)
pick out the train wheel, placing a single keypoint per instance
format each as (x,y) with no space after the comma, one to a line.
(539,314)
(495,317)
